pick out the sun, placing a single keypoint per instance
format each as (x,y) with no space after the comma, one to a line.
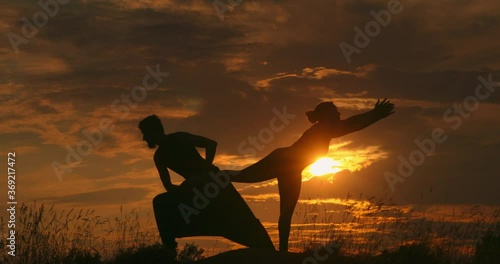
(325,166)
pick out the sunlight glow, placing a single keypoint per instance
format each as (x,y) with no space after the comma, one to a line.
(340,158)
(325,166)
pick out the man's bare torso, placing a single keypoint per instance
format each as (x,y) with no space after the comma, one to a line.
(180,156)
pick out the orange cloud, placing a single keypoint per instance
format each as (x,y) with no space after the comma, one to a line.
(316,73)
(349,159)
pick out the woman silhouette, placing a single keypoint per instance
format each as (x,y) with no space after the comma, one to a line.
(286,164)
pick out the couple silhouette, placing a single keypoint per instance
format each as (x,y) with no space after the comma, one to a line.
(207,204)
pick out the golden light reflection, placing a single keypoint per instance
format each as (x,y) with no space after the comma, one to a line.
(325,166)
(340,158)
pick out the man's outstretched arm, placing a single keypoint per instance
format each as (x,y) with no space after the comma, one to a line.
(355,123)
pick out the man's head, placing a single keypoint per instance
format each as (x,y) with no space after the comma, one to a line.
(152,129)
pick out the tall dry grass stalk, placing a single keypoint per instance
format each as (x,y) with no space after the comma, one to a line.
(45,235)
(374,227)
(361,229)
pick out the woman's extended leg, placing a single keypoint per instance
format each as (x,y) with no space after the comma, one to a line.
(258,172)
(263,170)
(289,189)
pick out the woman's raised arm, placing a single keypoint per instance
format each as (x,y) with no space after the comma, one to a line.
(352,124)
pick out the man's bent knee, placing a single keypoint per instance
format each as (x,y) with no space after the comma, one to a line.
(157,200)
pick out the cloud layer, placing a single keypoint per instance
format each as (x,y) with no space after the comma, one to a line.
(226,77)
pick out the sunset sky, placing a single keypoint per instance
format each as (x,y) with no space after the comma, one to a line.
(227,79)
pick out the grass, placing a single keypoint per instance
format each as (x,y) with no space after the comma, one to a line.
(377,233)
(377,227)
(44,235)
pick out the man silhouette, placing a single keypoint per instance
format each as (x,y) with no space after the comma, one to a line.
(206,203)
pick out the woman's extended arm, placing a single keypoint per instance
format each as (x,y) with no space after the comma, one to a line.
(352,124)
